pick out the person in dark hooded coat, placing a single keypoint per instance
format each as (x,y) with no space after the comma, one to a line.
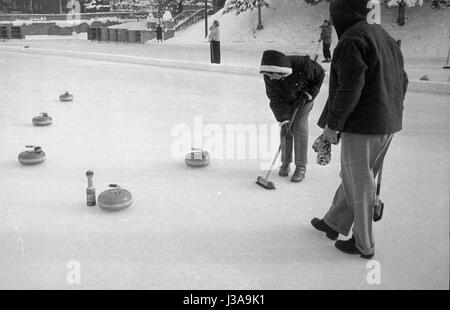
(292,81)
(159,34)
(365,107)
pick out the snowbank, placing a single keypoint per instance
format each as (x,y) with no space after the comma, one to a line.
(292,25)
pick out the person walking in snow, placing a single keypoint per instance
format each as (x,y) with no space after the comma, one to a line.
(325,37)
(367,88)
(292,82)
(214,41)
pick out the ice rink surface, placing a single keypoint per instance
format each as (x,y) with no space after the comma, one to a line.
(210,228)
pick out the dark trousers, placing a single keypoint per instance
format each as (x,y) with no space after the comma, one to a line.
(326,51)
(215,52)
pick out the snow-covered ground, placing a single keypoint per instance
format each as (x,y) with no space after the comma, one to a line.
(210,228)
(293,26)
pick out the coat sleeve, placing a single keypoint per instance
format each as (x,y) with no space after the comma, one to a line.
(280,107)
(350,83)
(314,77)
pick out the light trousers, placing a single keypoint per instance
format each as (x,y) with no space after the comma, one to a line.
(361,159)
(298,140)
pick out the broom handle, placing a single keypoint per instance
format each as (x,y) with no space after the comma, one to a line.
(279,148)
(448,56)
(377,195)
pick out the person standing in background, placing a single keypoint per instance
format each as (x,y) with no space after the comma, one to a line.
(214,42)
(159,34)
(325,36)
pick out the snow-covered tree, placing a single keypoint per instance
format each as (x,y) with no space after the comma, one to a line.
(239,6)
(402,4)
(97,6)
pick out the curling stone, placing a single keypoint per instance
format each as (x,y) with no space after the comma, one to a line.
(42,120)
(197,158)
(115,198)
(35,155)
(66,97)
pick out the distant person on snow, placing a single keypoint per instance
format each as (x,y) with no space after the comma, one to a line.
(292,82)
(365,107)
(325,37)
(214,41)
(159,34)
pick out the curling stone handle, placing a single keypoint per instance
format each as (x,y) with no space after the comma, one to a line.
(115,186)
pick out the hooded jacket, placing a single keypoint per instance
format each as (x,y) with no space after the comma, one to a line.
(284,94)
(367,78)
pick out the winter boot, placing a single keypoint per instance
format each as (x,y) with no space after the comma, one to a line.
(322,226)
(299,174)
(284,170)
(349,247)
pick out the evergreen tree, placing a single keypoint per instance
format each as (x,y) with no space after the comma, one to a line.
(239,6)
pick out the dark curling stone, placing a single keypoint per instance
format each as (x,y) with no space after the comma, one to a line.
(197,158)
(35,155)
(42,120)
(115,198)
(66,97)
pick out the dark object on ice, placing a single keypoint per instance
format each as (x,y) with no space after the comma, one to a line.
(197,158)
(26,46)
(425,78)
(66,96)
(42,120)
(349,247)
(448,56)
(379,205)
(90,190)
(323,227)
(264,182)
(33,156)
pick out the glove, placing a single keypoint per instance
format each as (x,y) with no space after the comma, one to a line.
(302,101)
(323,150)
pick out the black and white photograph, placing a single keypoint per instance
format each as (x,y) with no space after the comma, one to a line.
(224,145)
